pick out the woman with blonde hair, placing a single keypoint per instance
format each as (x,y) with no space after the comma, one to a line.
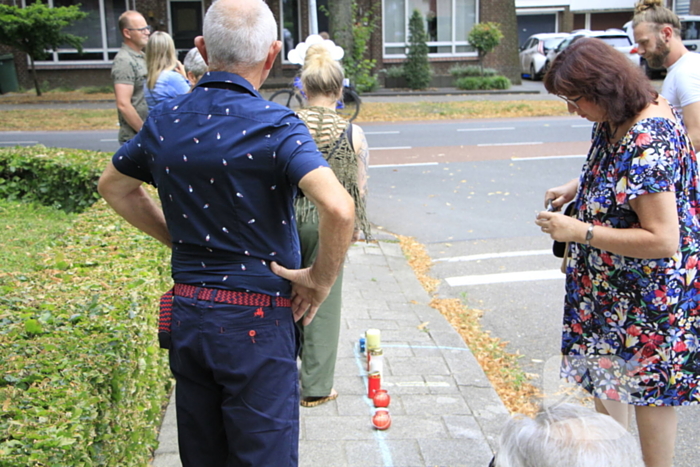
(344,145)
(166,76)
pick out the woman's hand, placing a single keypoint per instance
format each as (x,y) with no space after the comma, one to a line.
(561,195)
(562,228)
(180,68)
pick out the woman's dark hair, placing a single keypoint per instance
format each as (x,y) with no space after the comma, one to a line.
(595,70)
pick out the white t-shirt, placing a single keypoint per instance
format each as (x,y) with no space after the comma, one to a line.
(682,84)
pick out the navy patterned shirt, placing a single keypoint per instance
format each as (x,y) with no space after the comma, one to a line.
(226,163)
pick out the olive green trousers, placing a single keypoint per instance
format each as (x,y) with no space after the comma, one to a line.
(319,339)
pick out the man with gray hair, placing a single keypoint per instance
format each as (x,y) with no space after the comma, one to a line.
(195,66)
(566,435)
(227,165)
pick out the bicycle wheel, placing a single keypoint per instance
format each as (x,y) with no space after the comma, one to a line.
(288,98)
(350,106)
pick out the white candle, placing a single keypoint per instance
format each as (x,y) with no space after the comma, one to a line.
(373,339)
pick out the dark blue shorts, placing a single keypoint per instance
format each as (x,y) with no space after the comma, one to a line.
(237,394)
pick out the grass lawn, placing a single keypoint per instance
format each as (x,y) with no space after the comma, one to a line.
(26,230)
(41,119)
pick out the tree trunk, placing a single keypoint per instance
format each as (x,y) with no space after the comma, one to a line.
(340,23)
(36,81)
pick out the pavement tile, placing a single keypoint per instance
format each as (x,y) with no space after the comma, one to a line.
(402,452)
(425,405)
(321,452)
(339,428)
(454,452)
(419,366)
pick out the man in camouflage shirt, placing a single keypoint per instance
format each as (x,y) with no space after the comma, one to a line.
(128,74)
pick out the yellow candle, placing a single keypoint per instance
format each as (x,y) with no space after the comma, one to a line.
(372,336)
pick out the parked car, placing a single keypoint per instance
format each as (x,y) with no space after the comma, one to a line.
(533,53)
(615,37)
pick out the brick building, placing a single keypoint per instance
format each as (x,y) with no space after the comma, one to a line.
(447,22)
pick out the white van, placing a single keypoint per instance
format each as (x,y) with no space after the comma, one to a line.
(690,32)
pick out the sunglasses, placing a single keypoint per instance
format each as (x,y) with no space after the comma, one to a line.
(573,102)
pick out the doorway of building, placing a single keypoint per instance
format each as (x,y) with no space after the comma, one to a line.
(186,24)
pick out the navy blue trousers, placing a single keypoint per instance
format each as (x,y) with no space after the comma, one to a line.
(237,394)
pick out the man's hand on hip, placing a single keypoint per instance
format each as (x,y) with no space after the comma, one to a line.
(307,295)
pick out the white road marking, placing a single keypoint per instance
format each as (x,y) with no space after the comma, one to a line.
(382,132)
(532,143)
(487,129)
(522,276)
(417,164)
(395,147)
(506,254)
(543,158)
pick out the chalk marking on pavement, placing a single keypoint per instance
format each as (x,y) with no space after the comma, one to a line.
(19,142)
(390,148)
(506,254)
(523,276)
(379,435)
(417,164)
(382,132)
(544,158)
(487,129)
(526,143)
(108,140)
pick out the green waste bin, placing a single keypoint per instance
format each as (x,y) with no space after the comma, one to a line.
(8,75)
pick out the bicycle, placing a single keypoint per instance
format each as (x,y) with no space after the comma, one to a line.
(293,98)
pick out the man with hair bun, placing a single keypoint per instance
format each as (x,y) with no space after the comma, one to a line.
(657,31)
(228,165)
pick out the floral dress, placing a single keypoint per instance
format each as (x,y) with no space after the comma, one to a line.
(632,326)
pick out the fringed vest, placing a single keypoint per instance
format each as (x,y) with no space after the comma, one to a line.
(329,132)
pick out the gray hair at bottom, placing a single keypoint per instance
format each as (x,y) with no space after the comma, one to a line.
(567,435)
(194,63)
(238,38)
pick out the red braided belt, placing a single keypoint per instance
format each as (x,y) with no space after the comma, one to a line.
(229,296)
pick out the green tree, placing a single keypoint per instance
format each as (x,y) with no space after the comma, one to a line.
(37,28)
(340,23)
(484,37)
(416,68)
(357,67)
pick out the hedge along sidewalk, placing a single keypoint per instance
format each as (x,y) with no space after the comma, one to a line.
(82,381)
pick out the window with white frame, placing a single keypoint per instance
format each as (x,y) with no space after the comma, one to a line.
(100,27)
(447,23)
(290,26)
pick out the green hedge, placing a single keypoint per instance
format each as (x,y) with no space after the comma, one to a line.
(459,71)
(82,382)
(487,82)
(63,178)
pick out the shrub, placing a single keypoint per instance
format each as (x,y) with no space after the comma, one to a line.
(484,37)
(62,178)
(478,83)
(357,67)
(459,71)
(394,72)
(97,90)
(416,67)
(82,380)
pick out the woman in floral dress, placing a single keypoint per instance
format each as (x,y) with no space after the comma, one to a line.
(632,307)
